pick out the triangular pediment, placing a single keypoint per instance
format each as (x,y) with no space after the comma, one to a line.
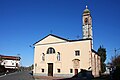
(51,39)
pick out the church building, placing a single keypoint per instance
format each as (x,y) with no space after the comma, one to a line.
(60,57)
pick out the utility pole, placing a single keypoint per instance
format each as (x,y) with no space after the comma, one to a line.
(34,65)
(115,53)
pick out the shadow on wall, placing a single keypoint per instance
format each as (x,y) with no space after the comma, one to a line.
(83,75)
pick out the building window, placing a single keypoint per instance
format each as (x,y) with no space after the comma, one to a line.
(71,70)
(12,63)
(42,70)
(43,57)
(77,53)
(58,56)
(17,65)
(58,70)
(50,50)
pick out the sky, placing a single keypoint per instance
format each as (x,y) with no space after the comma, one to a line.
(24,22)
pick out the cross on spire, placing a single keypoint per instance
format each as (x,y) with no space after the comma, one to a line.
(86,6)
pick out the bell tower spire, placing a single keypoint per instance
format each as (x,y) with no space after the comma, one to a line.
(87,24)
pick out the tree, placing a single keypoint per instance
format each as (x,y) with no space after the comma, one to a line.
(116,67)
(116,61)
(102,53)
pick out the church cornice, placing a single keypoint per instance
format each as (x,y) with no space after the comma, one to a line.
(65,40)
(94,51)
(86,24)
(50,35)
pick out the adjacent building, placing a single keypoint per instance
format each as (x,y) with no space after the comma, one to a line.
(56,56)
(10,62)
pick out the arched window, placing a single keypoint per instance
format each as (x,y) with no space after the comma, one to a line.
(50,50)
(43,57)
(86,21)
(58,56)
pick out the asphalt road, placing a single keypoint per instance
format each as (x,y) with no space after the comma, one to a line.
(17,76)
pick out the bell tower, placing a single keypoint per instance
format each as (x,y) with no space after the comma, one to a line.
(87,24)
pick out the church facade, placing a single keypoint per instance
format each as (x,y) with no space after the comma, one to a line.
(56,56)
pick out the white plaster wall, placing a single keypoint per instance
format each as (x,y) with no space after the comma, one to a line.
(10,63)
